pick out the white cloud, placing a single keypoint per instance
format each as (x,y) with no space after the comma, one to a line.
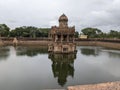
(104,14)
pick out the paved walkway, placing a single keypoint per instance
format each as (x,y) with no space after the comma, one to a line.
(54,89)
(101,86)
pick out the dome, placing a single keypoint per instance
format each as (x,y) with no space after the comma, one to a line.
(63,18)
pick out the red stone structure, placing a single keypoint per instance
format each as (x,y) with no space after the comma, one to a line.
(62,37)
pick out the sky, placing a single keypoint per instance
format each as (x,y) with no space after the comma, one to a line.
(102,14)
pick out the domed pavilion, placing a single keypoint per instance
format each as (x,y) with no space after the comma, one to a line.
(62,37)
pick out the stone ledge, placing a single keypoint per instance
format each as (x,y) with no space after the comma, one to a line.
(101,86)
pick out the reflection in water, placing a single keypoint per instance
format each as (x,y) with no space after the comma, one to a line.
(62,66)
(113,53)
(90,51)
(31,51)
(17,73)
(4,52)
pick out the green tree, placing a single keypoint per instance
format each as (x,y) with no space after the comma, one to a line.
(4,30)
(114,34)
(76,34)
(92,32)
(29,31)
(44,32)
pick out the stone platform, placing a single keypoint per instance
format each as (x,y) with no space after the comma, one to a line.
(101,86)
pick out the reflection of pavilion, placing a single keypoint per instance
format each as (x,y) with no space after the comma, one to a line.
(62,66)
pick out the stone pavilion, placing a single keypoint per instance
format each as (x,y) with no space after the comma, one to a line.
(62,37)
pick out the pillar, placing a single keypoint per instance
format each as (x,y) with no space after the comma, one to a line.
(61,37)
(68,38)
(73,38)
(55,37)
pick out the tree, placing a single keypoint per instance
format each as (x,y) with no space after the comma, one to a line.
(4,30)
(29,31)
(114,34)
(76,34)
(92,32)
(44,32)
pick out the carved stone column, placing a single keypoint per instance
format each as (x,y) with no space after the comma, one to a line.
(68,38)
(73,38)
(55,38)
(61,37)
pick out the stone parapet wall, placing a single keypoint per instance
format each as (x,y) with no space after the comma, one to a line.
(1,42)
(86,43)
(7,43)
(98,43)
(109,45)
(29,43)
(41,43)
(78,43)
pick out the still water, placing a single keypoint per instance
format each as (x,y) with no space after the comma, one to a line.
(32,68)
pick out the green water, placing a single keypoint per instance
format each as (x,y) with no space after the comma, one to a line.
(33,68)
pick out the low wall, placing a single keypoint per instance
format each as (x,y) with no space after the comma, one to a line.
(99,43)
(27,43)
(109,45)
(1,43)
(86,43)
(41,43)
(115,44)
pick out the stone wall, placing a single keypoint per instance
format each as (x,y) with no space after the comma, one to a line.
(86,43)
(1,42)
(99,43)
(78,43)
(26,42)
(41,43)
(109,45)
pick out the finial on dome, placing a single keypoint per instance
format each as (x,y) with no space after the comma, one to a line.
(63,17)
(63,14)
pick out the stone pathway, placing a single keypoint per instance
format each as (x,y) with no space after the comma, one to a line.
(101,86)
(54,89)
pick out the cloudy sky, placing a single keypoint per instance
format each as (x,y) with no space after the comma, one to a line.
(102,14)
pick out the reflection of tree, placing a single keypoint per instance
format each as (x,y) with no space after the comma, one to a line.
(114,54)
(89,51)
(62,66)
(4,52)
(31,51)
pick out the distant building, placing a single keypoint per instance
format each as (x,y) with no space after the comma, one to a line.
(62,37)
(83,36)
